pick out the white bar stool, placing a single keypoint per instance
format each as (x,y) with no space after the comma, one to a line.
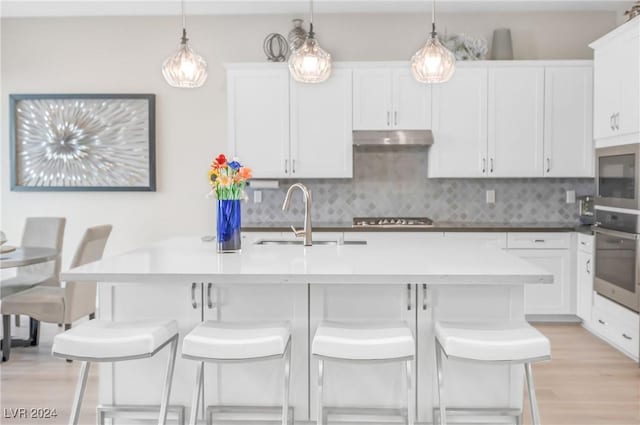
(106,341)
(365,343)
(226,342)
(511,342)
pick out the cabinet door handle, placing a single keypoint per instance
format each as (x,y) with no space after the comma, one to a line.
(286,166)
(625,336)
(484,165)
(194,303)
(491,167)
(293,166)
(209,301)
(611,122)
(602,322)
(548,165)
(395,117)
(424,296)
(409,296)
(589,266)
(616,121)
(388,118)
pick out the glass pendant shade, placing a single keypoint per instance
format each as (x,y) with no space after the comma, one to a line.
(310,63)
(185,68)
(433,63)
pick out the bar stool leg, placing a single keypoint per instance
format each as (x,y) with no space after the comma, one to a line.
(195,400)
(443,417)
(410,418)
(166,393)
(320,411)
(287,380)
(80,387)
(533,403)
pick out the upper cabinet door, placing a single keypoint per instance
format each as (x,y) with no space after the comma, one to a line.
(568,139)
(628,118)
(516,102)
(411,102)
(372,108)
(321,128)
(258,106)
(460,125)
(606,91)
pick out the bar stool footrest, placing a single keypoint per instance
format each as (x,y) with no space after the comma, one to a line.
(365,414)
(248,414)
(453,412)
(175,413)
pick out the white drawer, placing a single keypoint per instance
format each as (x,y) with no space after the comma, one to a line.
(585,242)
(627,338)
(615,311)
(535,240)
(497,239)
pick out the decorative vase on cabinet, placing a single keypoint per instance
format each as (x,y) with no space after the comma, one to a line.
(228,180)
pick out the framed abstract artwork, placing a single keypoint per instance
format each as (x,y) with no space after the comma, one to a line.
(82,142)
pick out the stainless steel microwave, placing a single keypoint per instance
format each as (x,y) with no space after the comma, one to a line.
(618,176)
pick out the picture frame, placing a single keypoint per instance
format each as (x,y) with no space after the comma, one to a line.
(82,142)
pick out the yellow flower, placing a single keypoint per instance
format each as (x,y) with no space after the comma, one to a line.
(224,181)
(213,174)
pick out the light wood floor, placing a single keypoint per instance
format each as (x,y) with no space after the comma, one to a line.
(587,383)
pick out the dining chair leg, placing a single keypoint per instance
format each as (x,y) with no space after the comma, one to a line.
(195,399)
(6,337)
(67,326)
(533,403)
(80,387)
(287,381)
(34,332)
(320,412)
(166,393)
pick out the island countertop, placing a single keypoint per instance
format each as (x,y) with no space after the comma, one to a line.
(441,262)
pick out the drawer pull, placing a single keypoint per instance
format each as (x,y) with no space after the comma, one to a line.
(625,336)
(539,240)
(602,322)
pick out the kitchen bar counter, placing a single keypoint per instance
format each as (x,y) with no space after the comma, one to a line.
(430,261)
(437,227)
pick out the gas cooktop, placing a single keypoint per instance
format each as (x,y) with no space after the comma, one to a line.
(392,222)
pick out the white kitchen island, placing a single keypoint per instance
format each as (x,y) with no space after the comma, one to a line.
(420,280)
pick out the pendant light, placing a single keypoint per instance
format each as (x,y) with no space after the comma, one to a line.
(310,63)
(433,63)
(185,68)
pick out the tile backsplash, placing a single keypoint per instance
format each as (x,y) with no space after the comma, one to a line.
(393,182)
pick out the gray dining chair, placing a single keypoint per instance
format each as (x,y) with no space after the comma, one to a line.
(42,232)
(56,304)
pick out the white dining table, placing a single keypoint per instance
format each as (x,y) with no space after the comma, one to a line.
(27,256)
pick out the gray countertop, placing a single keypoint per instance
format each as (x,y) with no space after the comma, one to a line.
(438,227)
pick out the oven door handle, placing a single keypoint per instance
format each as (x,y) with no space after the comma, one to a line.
(616,233)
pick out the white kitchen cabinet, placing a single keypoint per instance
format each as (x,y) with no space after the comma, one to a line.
(460,125)
(549,299)
(584,277)
(259,383)
(616,324)
(568,110)
(617,82)
(390,98)
(516,121)
(258,119)
(350,384)
(321,128)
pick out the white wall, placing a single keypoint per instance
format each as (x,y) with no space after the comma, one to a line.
(102,55)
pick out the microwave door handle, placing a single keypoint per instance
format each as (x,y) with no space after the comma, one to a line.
(616,233)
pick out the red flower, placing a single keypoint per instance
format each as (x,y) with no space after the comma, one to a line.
(221,160)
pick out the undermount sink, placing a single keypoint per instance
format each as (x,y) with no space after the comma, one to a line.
(301,242)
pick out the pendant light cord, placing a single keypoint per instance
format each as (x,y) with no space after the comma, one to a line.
(311,33)
(184,23)
(433,18)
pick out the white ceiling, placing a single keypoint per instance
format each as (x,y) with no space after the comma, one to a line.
(25,8)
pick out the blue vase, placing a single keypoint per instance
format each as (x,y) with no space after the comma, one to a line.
(229,223)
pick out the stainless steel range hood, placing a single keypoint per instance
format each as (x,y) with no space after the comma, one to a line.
(393,138)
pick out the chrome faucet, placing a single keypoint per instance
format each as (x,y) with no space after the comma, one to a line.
(306,232)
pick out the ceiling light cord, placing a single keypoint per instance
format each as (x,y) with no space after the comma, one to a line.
(311,32)
(433,18)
